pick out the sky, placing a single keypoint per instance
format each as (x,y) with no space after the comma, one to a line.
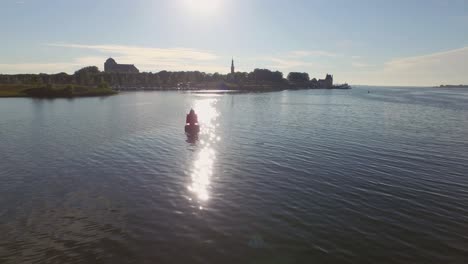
(373,42)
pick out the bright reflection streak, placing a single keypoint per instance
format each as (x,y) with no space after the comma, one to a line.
(203,165)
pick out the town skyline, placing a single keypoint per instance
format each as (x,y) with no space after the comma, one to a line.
(398,43)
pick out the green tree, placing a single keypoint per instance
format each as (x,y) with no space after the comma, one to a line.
(298,77)
(103,85)
(88,69)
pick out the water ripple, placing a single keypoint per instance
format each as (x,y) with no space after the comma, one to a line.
(285,177)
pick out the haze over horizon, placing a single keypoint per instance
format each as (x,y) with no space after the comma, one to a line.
(409,43)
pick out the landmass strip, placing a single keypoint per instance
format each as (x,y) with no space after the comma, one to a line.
(453,86)
(90,81)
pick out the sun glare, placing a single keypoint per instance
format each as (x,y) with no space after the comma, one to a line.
(203,165)
(202,7)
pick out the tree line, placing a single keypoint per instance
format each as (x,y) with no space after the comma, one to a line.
(91,76)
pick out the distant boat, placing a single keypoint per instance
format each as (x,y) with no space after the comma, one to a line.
(342,86)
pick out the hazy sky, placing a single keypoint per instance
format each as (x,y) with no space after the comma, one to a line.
(361,42)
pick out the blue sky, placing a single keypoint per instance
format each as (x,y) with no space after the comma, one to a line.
(361,42)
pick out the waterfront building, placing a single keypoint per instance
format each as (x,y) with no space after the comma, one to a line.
(112,66)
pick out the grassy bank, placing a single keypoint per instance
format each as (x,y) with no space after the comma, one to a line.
(53,91)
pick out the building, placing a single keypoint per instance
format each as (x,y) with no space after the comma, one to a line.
(326,83)
(111,66)
(232,66)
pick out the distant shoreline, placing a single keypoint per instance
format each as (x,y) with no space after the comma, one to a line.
(452,86)
(226,86)
(72,91)
(53,91)
(90,81)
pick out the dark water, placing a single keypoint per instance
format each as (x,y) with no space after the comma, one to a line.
(284,177)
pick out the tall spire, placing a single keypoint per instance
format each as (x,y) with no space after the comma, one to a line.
(232,65)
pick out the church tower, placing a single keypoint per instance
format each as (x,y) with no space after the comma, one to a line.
(232,66)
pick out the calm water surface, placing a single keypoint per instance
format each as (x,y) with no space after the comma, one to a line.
(285,177)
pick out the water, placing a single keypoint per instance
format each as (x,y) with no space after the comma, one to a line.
(342,176)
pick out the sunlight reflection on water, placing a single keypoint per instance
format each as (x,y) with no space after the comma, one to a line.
(202,169)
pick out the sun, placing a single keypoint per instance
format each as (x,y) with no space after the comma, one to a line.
(202,7)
